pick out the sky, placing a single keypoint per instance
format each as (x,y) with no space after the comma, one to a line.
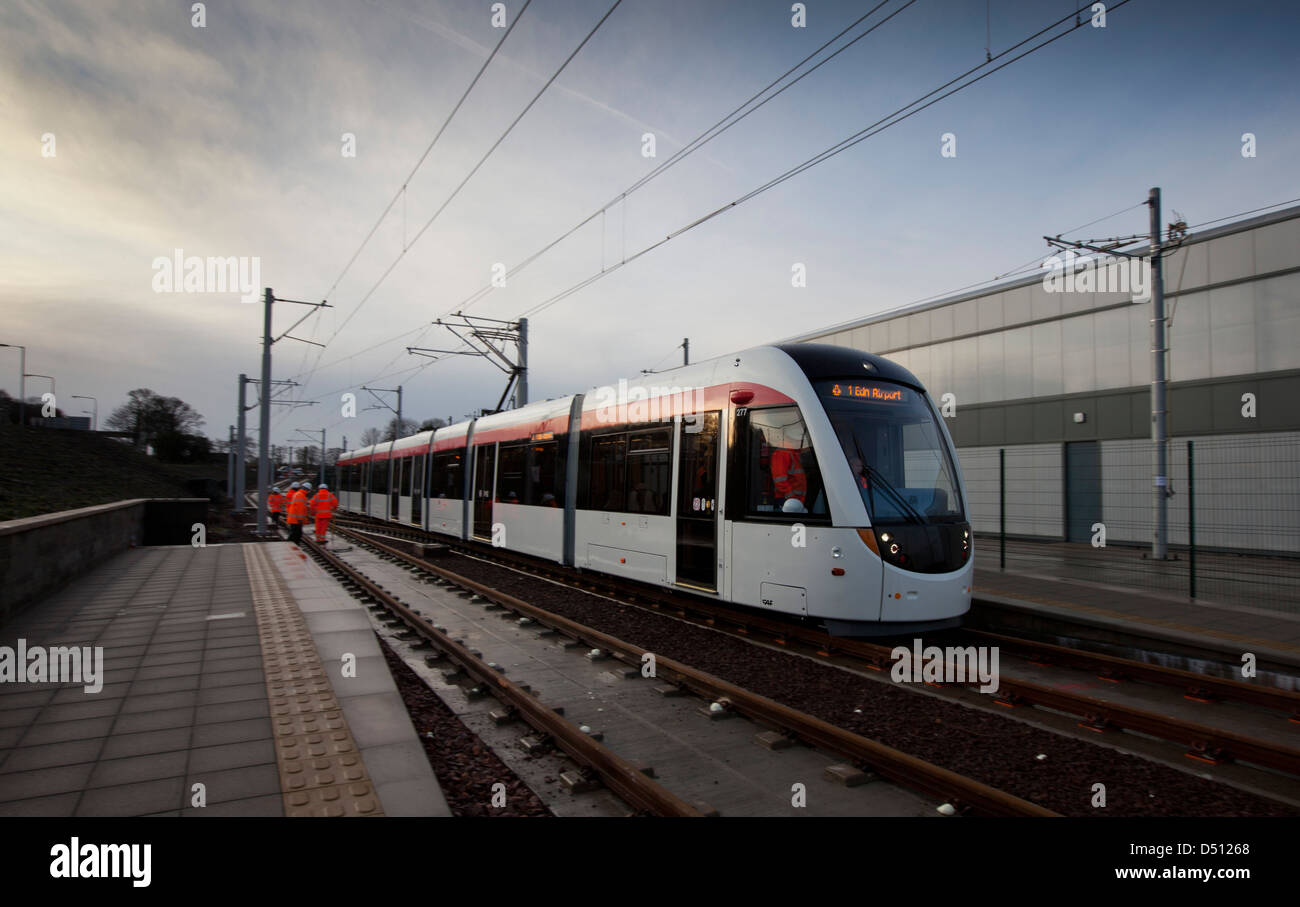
(127,132)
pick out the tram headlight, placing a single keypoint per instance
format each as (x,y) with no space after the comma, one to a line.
(891,547)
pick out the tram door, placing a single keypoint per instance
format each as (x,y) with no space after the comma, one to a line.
(484,476)
(697,502)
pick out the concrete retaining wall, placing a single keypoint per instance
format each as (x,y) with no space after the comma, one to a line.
(41,553)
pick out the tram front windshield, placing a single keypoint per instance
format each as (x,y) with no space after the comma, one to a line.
(896,451)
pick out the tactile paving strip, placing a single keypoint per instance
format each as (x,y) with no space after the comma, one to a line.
(321,769)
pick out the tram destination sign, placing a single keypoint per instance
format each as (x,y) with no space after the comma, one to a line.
(867,392)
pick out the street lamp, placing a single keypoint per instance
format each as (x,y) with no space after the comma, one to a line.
(94,424)
(53,392)
(22,380)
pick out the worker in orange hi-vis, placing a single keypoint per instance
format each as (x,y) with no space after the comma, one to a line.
(788,475)
(297,513)
(275,503)
(323,504)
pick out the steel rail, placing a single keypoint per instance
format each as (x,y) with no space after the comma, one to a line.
(891,763)
(1112,667)
(1198,687)
(619,775)
(1205,743)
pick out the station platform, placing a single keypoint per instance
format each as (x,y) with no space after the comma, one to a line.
(228,680)
(1119,614)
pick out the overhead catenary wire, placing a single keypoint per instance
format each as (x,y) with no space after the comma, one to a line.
(862,135)
(406,246)
(429,148)
(482,160)
(892,119)
(733,117)
(717,129)
(401,192)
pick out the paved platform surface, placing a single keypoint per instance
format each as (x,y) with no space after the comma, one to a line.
(212,689)
(1222,627)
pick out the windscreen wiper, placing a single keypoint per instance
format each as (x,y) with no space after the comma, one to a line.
(910,511)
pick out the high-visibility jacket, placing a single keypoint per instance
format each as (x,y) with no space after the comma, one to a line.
(297,508)
(323,504)
(788,475)
(275,501)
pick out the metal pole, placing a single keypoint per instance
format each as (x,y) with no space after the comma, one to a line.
(94,417)
(521,389)
(230,463)
(240,440)
(22,386)
(1160,542)
(322,457)
(264,442)
(398,433)
(1191,522)
(686,351)
(1002,508)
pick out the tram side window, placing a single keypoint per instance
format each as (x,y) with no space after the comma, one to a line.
(446,479)
(649,471)
(379,477)
(781,475)
(510,473)
(531,474)
(607,471)
(544,475)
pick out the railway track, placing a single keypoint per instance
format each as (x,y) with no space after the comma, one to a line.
(964,794)
(621,776)
(1203,743)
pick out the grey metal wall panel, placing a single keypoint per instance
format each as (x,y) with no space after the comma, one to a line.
(964,427)
(993,425)
(1247,492)
(1114,416)
(1276,245)
(1019,426)
(1140,401)
(1079,431)
(1047,421)
(1277,403)
(1191,409)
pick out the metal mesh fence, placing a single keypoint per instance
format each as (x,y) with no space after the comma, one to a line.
(1086,512)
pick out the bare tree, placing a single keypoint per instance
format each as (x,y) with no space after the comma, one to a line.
(393,431)
(167,424)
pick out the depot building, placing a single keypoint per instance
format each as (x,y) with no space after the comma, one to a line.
(1059,378)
